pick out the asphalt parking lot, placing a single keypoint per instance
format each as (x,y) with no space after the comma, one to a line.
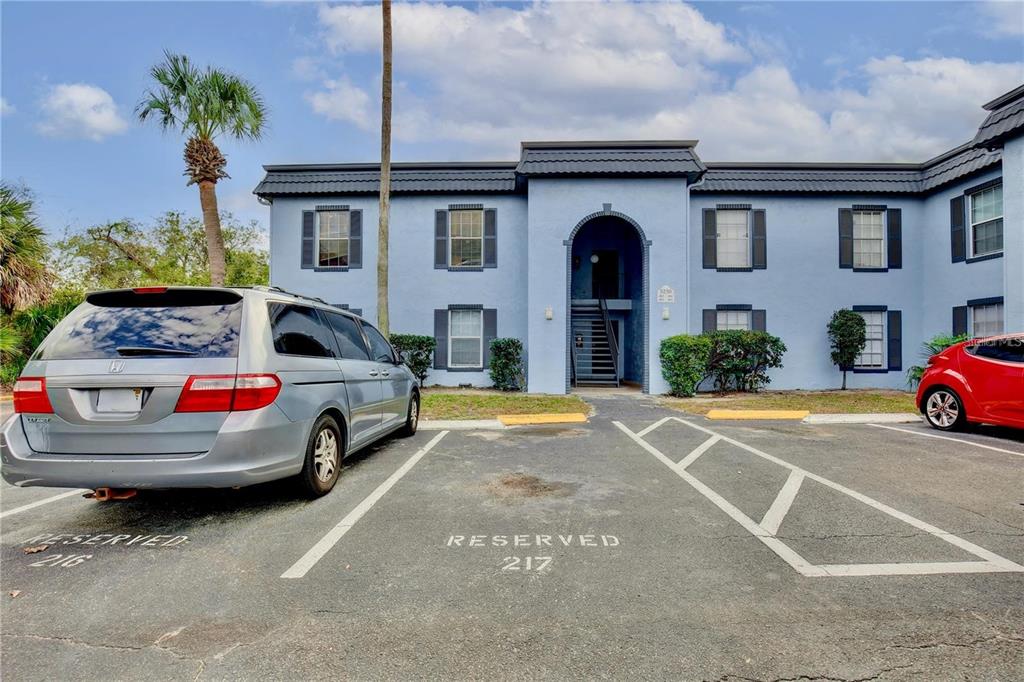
(637,545)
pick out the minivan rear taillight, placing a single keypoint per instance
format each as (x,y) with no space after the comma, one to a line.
(30,396)
(228,392)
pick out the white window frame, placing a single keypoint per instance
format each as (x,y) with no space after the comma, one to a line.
(480,314)
(748,261)
(882,239)
(726,314)
(973,225)
(347,247)
(452,239)
(994,307)
(858,362)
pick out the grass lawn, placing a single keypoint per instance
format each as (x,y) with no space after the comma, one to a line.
(483,404)
(817,402)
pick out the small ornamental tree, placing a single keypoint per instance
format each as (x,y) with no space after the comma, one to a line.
(416,351)
(847,337)
(506,364)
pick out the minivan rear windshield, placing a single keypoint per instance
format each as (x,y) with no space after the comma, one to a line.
(177,323)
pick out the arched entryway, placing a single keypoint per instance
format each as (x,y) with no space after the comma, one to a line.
(606,329)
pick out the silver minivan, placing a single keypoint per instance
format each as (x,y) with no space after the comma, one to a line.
(170,387)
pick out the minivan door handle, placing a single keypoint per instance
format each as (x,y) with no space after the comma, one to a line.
(385,374)
(373,372)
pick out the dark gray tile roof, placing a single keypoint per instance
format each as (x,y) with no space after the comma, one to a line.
(1005,119)
(451,178)
(848,178)
(673,158)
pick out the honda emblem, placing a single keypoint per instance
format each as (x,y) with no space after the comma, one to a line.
(116,367)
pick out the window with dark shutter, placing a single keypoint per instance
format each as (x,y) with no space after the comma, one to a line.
(894,227)
(845,238)
(710,239)
(759,320)
(441,337)
(308,239)
(709,320)
(957,231)
(760,238)
(490,238)
(440,239)
(895,340)
(959,320)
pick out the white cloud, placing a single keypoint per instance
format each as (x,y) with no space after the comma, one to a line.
(5,107)
(492,76)
(80,110)
(1005,17)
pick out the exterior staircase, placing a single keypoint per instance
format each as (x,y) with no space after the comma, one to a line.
(595,351)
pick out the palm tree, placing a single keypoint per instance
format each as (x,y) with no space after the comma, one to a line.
(385,176)
(204,104)
(24,278)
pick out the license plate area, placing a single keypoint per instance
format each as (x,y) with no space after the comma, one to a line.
(119,400)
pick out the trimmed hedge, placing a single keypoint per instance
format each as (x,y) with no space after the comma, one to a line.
(684,362)
(416,350)
(506,364)
(733,359)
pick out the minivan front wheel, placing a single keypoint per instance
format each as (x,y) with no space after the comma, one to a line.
(323,457)
(944,410)
(412,419)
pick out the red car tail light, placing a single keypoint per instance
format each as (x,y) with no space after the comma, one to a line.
(30,396)
(150,290)
(228,392)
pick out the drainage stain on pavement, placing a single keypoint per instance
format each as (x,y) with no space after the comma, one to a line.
(521,485)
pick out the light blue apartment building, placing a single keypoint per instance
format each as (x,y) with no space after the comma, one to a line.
(591,253)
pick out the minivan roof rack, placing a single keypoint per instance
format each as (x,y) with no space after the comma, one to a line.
(290,293)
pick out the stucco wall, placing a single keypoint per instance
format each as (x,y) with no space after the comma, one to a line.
(555,208)
(803,283)
(416,288)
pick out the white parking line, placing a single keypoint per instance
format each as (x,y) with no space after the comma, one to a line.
(992,562)
(317,551)
(783,501)
(697,451)
(38,503)
(955,440)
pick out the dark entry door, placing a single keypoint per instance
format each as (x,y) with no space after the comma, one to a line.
(604,276)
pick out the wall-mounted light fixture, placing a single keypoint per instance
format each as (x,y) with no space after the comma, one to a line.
(664,313)
(594,258)
(549,313)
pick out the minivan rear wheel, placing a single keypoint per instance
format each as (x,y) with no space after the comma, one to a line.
(412,419)
(944,410)
(324,452)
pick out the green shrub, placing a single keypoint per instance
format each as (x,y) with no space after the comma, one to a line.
(506,364)
(416,350)
(684,362)
(933,346)
(23,331)
(741,359)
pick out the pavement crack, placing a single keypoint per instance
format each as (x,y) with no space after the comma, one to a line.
(969,644)
(813,677)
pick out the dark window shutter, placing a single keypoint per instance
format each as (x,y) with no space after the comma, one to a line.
(355,239)
(957,230)
(758,321)
(490,333)
(441,336)
(959,320)
(490,238)
(709,321)
(440,239)
(845,238)
(308,239)
(894,223)
(710,238)
(760,239)
(895,329)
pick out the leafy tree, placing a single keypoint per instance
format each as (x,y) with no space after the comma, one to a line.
(506,364)
(684,362)
(24,278)
(417,351)
(847,335)
(202,105)
(170,251)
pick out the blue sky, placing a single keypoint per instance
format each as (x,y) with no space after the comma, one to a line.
(764,81)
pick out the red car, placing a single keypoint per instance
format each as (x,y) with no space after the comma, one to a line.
(980,380)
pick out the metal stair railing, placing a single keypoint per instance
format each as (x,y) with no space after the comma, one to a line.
(612,341)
